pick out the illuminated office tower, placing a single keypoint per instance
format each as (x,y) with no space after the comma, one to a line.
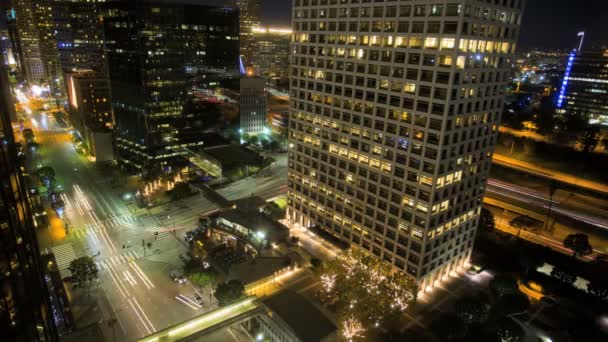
(35,30)
(249,12)
(25,309)
(584,90)
(271,51)
(80,35)
(157,51)
(394,114)
(253,104)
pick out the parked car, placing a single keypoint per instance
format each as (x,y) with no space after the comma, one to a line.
(475,269)
(198,299)
(189,236)
(178,277)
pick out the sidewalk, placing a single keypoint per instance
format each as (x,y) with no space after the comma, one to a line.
(547,173)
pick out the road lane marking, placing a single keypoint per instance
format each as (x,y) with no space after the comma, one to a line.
(141,275)
(129,278)
(117,283)
(185,300)
(138,315)
(144,314)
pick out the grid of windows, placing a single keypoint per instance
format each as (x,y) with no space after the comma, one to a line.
(395,107)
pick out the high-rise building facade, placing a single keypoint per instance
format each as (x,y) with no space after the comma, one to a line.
(249,13)
(394,114)
(156,52)
(79,35)
(584,89)
(89,100)
(253,104)
(35,31)
(25,309)
(271,51)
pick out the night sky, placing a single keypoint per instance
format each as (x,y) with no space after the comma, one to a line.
(546,24)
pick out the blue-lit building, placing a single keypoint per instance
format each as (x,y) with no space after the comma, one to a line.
(584,89)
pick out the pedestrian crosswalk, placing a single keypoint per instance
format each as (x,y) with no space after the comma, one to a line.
(106,263)
(64,254)
(120,221)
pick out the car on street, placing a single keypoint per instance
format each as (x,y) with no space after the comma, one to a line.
(198,299)
(189,236)
(178,277)
(475,269)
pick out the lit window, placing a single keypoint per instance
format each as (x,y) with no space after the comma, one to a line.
(430,43)
(447,43)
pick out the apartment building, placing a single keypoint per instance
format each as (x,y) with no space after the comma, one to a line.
(394,114)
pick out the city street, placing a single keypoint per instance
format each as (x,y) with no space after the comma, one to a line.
(135,277)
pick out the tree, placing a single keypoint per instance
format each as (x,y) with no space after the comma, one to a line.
(486,220)
(579,244)
(509,331)
(447,326)
(545,119)
(84,271)
(179,191)
(315,262)
(202,279)
(229,292)
(510,304)
(598,288)
(365,287)
(46,175)
(529,261)
(564,275)
(265,144)
(253,139)
(503,285)
(471,310)
(589,138)
(274,145)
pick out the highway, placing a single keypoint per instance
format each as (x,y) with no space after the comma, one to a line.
(540,202)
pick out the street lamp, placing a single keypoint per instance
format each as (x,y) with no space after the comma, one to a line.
(168,218)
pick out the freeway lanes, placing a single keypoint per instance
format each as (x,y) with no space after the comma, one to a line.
(538,201)
(550,174)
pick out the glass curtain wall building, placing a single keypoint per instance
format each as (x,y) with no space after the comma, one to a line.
(584,90)
(25,309)
(156,52)
(394,115)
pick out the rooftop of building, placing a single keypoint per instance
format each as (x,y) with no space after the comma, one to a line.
(259,268)
(229,155)
(254,221)
(305,320)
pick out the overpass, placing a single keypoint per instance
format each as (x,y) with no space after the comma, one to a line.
(223,317)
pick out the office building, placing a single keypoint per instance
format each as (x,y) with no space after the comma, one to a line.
(584,89)
(157,52)
(80,35)
(254,105)
(394,115)
(35,33)
(90,111)
(25,309)
(271,51)
(249,13)
(89,100)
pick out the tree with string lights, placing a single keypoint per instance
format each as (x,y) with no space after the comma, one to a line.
(365,288)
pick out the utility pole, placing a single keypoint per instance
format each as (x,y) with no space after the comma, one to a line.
(552,188)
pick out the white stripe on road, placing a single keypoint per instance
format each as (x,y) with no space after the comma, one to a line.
(186,300)
(141,275)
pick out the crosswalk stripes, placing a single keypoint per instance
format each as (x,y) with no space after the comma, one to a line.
(118,221)
(105,263)
(64,254)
